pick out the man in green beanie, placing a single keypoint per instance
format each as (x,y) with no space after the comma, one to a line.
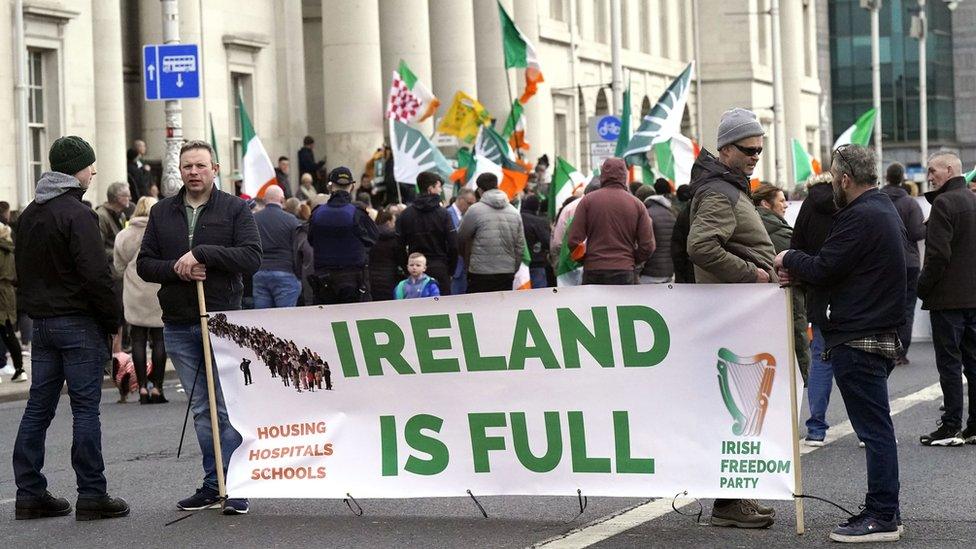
(66,288)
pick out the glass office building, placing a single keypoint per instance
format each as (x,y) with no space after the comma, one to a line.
(850,73)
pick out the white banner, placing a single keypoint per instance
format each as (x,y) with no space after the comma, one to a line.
(640,391)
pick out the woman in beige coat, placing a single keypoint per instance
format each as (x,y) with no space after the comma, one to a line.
(8,303)
(141,305)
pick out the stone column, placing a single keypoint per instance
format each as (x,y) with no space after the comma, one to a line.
(405,32)
(492,85)
(452,48)
(351,66)
(538,111)
(292,122)
(792,46)
(110,142)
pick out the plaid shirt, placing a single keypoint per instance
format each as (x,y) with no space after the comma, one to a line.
(887,345)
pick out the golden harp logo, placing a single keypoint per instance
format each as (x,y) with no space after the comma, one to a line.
(745,382)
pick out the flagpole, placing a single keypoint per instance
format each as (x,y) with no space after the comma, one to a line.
(511,101)
(211,391)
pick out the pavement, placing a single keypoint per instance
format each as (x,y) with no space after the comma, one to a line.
(140,442)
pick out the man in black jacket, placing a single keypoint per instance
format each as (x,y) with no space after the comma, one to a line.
(200,234)
(947,287)
(425,227)
(911,215)
(341,234)
(537,235)
(862,269)
(66,288)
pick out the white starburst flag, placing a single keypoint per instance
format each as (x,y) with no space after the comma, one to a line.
(664,120)
(410,100)
(414,153)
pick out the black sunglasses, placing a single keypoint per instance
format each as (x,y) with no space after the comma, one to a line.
(748,151)
(839,151)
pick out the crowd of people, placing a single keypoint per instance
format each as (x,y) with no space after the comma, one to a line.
(852,259)
(303,369)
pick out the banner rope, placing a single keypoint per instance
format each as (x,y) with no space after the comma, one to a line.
(805,496)
(583,502)
(349,498)
(698,516)
(189,401)
(475,500)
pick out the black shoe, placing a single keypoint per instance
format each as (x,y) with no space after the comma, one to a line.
(943,436)
(968,435)
(102,507)
(157,399)
(41,507)
(204,498)
(144,398)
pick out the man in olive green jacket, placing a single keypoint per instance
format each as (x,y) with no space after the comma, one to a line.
(727,243)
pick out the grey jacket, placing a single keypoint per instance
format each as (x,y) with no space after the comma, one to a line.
(490,236)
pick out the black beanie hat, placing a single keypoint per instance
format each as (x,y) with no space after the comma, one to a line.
(70,155)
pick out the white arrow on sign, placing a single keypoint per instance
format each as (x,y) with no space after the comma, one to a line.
(179,80)
(152,71)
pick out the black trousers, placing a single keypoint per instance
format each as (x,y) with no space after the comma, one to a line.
(480,283)
(609,276)
(954,336)
(140,336)
(437,269)
(911,296)
(335,286)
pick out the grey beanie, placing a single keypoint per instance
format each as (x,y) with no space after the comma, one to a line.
(738,124)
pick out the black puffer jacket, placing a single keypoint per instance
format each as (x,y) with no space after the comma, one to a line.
(660,264)
(684,269)
(812,226)
(386,261)
(537,234)
(911,215)
(61,265)
(427,228)
(225,239)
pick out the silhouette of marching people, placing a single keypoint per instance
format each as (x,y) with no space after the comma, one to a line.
(304,370)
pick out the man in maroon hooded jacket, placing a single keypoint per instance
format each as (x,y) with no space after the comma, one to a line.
(615,227)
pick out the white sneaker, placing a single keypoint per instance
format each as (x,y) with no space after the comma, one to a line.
(19,378)
(7,370)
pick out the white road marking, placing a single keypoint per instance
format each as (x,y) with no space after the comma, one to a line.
(612,525)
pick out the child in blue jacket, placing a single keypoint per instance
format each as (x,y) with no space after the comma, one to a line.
(417,284)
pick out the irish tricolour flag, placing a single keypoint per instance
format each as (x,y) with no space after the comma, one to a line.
(258,172)
(520,53)
(804,167)
(566,180)
(860,132)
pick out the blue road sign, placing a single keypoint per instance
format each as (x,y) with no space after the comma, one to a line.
(608,128)
(171,71)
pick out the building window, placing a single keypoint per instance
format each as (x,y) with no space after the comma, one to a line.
(601,31)
(644,22)
(562,138)
(36,111)
(240,88)
(557,10)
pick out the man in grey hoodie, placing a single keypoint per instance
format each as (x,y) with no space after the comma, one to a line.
(66,288)
(490,239)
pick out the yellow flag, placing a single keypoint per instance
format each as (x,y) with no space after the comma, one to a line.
(463,117)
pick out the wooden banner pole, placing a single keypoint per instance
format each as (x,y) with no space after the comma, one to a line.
(794,416)
(211,392)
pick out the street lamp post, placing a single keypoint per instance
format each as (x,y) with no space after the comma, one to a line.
(171,181)
(779,123)
(920,30)
(874,6)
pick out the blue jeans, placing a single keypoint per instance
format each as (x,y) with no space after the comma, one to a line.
(538,277)
(459,282)
(863,382)
(273,289)
(73,349)
(954,336)
(184,345)
(819,384)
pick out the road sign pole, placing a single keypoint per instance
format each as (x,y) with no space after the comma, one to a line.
(172,182)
